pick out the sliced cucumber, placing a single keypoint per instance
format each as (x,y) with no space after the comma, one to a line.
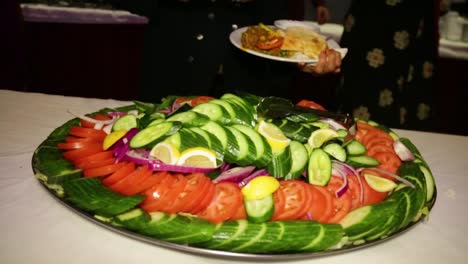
(336,151)
(246,152)
(262,148)
(260,210)
(189,118)
(319,167)
(152,135)
(214,111)
(362,161)
(280,164)
(299,160)
(125,122)
(90,194)
(355,148)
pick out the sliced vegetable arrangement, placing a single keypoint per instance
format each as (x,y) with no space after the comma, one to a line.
(240,174)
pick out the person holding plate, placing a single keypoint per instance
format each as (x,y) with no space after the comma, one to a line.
(187,49)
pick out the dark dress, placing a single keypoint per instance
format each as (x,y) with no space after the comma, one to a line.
(187,49)
(389,72)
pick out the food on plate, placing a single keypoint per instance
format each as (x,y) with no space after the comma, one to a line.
(238,174)
(293,41)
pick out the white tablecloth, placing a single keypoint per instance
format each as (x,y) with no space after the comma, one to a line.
(36,228)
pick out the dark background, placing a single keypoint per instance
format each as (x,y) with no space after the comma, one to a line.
(102,61)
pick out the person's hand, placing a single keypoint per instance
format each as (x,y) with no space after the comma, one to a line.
(329,62)
(322,14)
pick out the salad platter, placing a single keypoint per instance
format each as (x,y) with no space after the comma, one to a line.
(242,177)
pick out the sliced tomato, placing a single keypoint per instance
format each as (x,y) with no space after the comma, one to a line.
(98,116)
(103,171)
(128,168)
(310,104)
(297,199)
(280,202)
(132,179)
(149,182)
(200,100)
(73,139)
(389,161)
(85,132)
(156,195)
(321,206)
(342,204)
(135,186)
(197,187)
(240,213)
(76,154)
(95,163)
(362,130)
(176,188)
(76,145)
(371,196)
(355,190)
(183,100)
(103,155)
(272,43)
(205,199)
(225,203)
(375,148)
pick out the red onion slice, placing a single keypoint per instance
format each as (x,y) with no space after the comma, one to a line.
(261,172)
(340,171)
(350,170)
(332,123)
(235,174)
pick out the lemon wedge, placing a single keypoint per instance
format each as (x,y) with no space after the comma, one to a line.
(379,184)
(274,136)
(320,136)
(197,157)
(166,152)
(113,137)
(260,187)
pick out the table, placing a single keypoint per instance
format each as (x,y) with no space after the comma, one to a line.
(36,228)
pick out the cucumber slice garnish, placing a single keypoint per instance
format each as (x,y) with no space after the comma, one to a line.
(319,168)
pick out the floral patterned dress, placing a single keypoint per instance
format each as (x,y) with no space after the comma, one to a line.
(389,72)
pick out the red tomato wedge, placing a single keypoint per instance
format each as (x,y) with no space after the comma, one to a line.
(342,204)
(88,124)
(119,174)
(85,132)
(310,104)
(103,171)
(297,199)
(204,199)
(272,43)
(225,203)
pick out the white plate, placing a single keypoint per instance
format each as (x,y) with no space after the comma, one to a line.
(284,23)
(235,38)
